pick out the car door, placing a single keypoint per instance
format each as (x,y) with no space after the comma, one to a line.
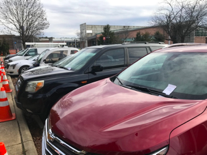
(135,53)
(111,62)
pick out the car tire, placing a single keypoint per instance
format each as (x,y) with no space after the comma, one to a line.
(23,69)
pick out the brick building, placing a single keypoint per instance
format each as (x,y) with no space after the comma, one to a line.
(198,36)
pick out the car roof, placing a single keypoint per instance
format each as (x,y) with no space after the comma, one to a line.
(65,48)
(128,45)
(195,48)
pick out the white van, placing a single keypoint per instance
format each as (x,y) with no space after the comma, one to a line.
(29,52)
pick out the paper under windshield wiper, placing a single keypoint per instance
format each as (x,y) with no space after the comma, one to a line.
(148,90)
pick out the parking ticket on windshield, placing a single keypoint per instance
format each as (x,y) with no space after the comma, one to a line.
(169,89)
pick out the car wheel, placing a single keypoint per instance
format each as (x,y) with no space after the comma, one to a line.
(23,69)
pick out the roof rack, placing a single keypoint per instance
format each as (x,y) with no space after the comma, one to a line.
(142,42)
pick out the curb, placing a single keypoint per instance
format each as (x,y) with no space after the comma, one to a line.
(26,137)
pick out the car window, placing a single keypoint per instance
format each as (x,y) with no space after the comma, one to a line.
(111,59)
(31,52)
(57,55)
(73,51)
(136,53)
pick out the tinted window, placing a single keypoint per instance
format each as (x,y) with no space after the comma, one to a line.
(57,55)
(111,59)
(73,51)
(136,53)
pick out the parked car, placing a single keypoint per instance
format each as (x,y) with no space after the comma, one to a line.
(29,52)
(19,66)
(157,106)
(48,56)
(40,88)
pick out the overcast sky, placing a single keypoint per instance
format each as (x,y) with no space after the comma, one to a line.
(65,16)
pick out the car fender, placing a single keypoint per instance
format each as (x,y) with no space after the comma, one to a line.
(190,137)
(19,65)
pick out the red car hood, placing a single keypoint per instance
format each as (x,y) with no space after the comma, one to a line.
(105,116)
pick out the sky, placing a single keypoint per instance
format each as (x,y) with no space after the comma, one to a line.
(65,16)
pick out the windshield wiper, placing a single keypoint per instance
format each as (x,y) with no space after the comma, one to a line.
(150,91)
(119,80)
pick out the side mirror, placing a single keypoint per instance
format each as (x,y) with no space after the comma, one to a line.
(44,60)
(96,68)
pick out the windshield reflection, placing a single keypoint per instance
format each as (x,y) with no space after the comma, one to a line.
(186,71)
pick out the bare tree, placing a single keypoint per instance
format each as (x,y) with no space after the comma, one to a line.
(24,17)
(179,18)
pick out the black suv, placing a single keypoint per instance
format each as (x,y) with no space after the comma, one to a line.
(40,88)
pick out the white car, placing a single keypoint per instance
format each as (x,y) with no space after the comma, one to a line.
(29,52)
(17,67)
(45,58)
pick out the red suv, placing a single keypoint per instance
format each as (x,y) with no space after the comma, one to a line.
(157,106)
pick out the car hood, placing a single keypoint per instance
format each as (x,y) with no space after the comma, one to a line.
(103,115)
(10,56)
(43,71)
(16,58)
(21,61)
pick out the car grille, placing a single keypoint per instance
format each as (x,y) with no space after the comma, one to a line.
(53,145)
(7,66)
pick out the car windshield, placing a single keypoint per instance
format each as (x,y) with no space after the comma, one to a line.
(184,73)
(78,60)
(20,53)
(42,55)
(66,59)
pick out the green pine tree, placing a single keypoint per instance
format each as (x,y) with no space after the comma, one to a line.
(4,47)
(159,37)
(109,36)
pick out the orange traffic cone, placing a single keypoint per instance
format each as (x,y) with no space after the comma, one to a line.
(1,76)
(5,83)
(3,149)
(5,111)
(2,71)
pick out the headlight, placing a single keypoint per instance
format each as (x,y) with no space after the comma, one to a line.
(34,86)
(10,60)
(13,65)
(162,151)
